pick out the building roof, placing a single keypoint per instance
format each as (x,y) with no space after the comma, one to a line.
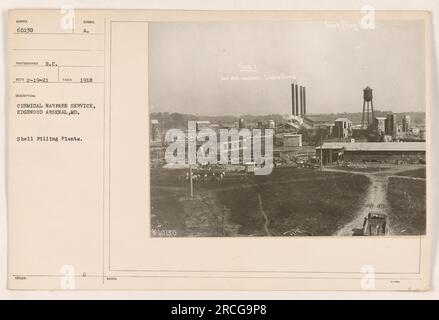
(342,120)
(289,125)
(314,118)
(289,135)
(375,146)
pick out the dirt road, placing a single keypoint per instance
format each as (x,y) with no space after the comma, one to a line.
(375,199)
(267,232)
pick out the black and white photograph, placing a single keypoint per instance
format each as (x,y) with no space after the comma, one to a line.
(287,128)
(241,151)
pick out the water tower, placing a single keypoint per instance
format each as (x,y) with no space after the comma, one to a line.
(368,116)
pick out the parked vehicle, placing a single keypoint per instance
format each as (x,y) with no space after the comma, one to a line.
(375,224)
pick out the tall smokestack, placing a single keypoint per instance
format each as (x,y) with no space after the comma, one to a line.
(297,99)
(293,100)
(304,100)
(301,101)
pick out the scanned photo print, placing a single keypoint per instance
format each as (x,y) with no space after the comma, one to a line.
(287,128)
(219,150)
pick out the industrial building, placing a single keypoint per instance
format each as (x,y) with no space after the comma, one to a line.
(391,125)
(155,131)
(312,121)
(406,122)
(342,128)
(392,152)
(379,125)
(201,124)
(292,140)
(271,124)
(290,156)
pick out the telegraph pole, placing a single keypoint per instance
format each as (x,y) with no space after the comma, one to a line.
(321,152)
(190,179)
(222,221)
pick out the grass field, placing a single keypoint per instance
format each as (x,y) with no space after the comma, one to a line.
(289,202)
(363,169)
(407,200)
(417,173)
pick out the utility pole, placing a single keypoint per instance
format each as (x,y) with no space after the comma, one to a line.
(190,179)
(321,152)
(222,221)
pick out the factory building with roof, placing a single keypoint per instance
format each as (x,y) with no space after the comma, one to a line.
(390,152)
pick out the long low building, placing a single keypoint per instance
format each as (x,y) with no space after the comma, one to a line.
(372,151)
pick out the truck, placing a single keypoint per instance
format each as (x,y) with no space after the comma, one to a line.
(375,224)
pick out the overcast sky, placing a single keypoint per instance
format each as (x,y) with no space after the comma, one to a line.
(247,67)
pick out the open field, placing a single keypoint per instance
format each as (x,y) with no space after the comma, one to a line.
(417,173)
(289,202)
(364,169)
(407,201)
